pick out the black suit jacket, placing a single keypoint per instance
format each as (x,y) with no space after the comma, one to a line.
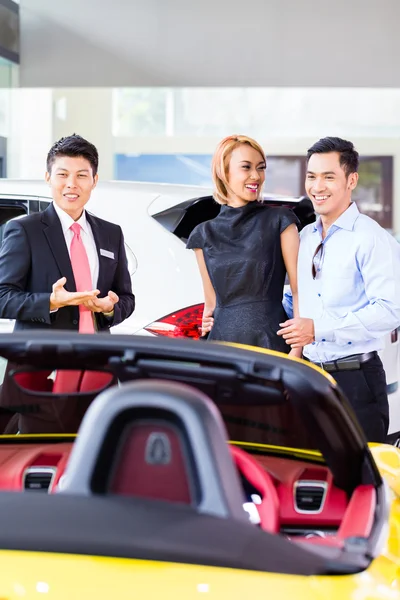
(34,255)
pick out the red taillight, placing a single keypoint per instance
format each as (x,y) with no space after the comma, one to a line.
(182,323)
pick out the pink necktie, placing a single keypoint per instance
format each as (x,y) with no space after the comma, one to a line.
(82,276)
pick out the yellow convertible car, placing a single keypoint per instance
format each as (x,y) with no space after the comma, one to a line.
(139,467)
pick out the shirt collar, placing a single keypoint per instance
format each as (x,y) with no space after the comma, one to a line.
(67,221)
(345,221)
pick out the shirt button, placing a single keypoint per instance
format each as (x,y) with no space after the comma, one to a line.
(318,269)
(313,343)
(75,322)
(319,295)
(349,342)
(323,339)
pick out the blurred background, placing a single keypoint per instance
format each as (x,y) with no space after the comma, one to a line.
(156,85)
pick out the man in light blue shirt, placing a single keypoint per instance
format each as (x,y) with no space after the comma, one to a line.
(349,286)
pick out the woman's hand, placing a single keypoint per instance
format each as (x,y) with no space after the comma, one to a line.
(297,352)
(207,321)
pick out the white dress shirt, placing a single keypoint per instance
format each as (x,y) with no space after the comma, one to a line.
(87,239)
(355,298)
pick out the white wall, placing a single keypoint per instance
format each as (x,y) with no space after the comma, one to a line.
(210,43)
(30,132)
(88,113)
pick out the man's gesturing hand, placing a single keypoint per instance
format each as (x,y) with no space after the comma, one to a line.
(297,332)
(103,305)
(61,297)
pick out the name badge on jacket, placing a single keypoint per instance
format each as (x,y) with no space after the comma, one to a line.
(106,253)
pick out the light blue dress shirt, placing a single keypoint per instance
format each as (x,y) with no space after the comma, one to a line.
(355,298)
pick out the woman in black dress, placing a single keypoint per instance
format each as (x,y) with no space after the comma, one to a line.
(245,252)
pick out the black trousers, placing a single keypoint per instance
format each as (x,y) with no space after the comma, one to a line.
(366,390)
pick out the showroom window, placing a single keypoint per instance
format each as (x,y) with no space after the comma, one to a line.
(374,192)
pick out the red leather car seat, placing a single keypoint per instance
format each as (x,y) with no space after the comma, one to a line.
(93,381)
(69,382)
(357,520)
(151,463)
(65,381)
(359,516)
(72,410)
(262,481)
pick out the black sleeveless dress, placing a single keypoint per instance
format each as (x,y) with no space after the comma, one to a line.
(242,252)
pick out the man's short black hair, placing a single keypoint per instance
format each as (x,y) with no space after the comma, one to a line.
(74,145)
(348,154)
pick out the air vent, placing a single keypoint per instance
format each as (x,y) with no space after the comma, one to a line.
(38,479)
(309,496)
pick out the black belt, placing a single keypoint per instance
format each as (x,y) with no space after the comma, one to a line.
(349,363)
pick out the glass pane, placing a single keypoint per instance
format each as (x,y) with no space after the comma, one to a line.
(369,193)
(139,111)
(283,176)
(211,112)
(4,110)
(189,169)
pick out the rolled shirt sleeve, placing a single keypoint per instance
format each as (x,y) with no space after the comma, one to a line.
(288,302)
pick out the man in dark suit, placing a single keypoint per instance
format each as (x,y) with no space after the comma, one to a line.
(37,285)
(64,268)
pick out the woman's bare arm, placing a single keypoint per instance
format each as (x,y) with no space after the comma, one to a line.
(209,293)
(290,242)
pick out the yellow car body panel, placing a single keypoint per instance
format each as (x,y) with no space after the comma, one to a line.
(68,577)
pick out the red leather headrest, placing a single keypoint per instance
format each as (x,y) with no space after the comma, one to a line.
(93,381)
(68,382)
(163,476)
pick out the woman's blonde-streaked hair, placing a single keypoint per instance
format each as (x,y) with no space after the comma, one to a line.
(220,164)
